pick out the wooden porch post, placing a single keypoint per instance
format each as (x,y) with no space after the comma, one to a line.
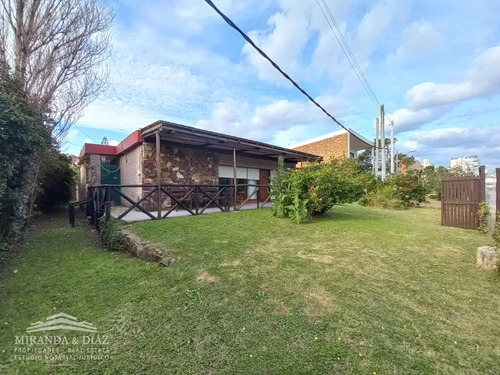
(234,182)
(158,172)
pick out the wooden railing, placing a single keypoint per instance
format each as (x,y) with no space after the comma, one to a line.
(193,198)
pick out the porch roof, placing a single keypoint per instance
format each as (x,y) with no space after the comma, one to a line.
(196,137)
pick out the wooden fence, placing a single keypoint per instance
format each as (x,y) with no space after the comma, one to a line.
(460,198)
(192,198)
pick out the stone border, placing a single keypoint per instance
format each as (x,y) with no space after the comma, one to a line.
(487,258)
(143,250)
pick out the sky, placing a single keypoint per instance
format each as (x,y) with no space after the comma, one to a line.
(435,65)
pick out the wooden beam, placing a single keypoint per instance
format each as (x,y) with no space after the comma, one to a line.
(234,173)
(158,172)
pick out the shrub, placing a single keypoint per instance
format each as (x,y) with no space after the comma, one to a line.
(56,181)
(303,193)
(496,231)
(383,197)
(484,214)
(400,191)
(111,232)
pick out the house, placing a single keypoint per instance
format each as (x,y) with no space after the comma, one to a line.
(339,144)
(187,156)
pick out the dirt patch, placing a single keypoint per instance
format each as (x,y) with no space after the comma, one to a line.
(205,277)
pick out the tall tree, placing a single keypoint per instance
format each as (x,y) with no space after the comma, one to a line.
(56,50)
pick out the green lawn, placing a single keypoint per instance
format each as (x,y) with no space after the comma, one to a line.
(361,291)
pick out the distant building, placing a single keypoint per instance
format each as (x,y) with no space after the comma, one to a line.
(427,163)
(469,164)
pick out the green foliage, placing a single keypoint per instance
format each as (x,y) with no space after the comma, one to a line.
(56,181)
(400,191)
(432,177)
(111,233)
(298,210)
(483,214)
(383,197)
(23,135)
(496,231)
(316,188)
(261,295)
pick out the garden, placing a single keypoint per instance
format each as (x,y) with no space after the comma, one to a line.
(357,290)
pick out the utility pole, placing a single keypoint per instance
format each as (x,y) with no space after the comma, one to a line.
(375,164)
(373,159)
(393,167)
(382,137)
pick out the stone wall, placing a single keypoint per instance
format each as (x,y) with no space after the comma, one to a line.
(334,147)
(180,165)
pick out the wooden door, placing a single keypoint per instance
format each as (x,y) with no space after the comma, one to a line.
(264,180)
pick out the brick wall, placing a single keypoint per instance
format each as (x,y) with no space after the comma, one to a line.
(334,147)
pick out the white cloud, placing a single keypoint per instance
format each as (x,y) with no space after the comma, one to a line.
(419,39)
(375,23)
(428,101)
(442,144)
(407,119)
(280,121)
(113,142)
(481,80)
(284,41)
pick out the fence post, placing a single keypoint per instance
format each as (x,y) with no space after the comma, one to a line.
(482,184)
(72,215)
(498,191)
(196,202)
(158,172)
(108,202)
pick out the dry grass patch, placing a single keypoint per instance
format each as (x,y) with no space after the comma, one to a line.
(319,258)
(205,277)
(318,303)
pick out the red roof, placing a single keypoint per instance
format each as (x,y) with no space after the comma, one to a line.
(128,143)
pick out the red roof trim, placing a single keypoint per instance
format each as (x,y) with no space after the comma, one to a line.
(133,140)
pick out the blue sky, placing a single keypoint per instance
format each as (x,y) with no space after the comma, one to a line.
(434,64)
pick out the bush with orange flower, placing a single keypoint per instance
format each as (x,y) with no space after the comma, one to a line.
(316,188)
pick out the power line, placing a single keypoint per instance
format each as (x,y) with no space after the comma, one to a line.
(348,52)
(346,49)
(276,66)
(86,133)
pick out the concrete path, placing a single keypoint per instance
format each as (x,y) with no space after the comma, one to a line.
(137,215)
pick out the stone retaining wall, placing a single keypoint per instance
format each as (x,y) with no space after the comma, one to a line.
(144,250)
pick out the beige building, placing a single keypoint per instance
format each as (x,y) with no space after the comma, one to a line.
(188,156)
(339,144)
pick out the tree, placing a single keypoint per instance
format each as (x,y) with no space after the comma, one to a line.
(57,181)
(23,135)
(56,48)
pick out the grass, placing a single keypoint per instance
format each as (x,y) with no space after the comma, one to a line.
(360,291)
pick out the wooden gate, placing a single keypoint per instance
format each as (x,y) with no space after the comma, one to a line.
(460,198)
